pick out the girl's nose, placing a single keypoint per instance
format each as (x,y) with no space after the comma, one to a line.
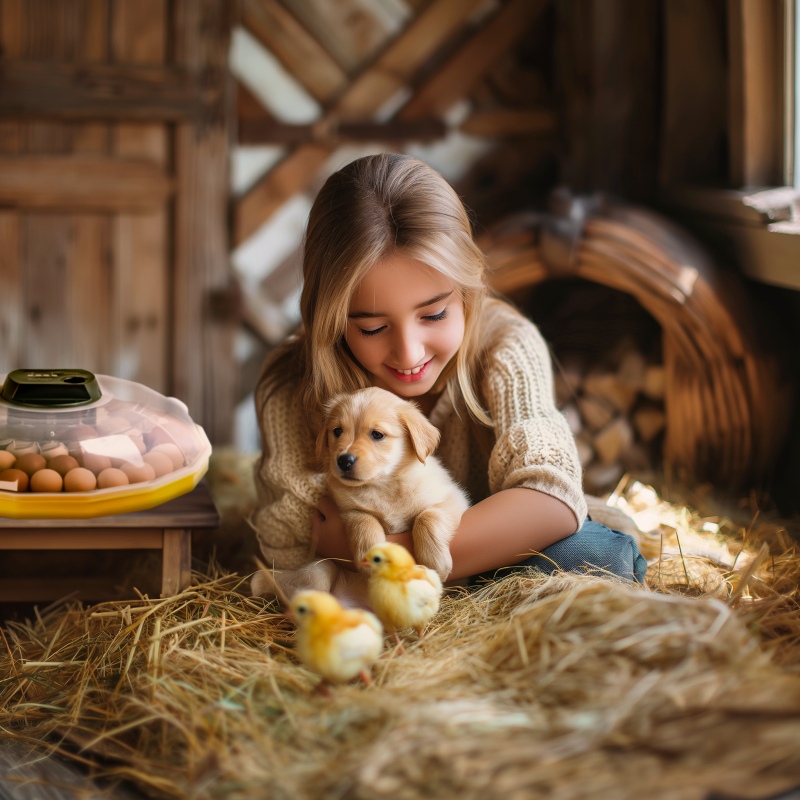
(408,351)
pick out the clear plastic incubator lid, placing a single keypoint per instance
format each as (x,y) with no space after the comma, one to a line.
(78,445)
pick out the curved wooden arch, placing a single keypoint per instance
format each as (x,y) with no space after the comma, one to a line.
(727,408)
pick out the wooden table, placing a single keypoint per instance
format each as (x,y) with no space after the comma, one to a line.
(167,527)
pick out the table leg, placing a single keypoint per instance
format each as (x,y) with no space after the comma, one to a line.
(176,571)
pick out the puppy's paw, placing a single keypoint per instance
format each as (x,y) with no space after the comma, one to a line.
(435,555)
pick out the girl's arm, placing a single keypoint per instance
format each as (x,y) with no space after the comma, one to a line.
(501,530)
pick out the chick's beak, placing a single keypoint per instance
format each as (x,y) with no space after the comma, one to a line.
(363,563)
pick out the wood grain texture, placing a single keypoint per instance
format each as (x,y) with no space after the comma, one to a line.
(89,183)
(203,370)
(101,91)
(290,42)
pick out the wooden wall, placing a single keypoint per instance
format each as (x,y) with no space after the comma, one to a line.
(113,193)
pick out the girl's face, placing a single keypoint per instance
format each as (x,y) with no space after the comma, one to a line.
(405,322)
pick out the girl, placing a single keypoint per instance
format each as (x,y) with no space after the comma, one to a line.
(394,295)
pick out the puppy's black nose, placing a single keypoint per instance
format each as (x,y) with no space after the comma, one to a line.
(345,462)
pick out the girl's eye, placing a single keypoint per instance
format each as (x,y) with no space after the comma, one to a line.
(372,332)
(436,317)
(377,435)
(337,432)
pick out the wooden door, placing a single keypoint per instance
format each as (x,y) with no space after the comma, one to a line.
(113,194)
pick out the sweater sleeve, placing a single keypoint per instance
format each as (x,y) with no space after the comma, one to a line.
(534,447)
(288,492)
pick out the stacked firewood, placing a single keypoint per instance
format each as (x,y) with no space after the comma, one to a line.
(615,409)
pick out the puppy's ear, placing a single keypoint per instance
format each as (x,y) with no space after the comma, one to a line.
(321,445)
(424,436)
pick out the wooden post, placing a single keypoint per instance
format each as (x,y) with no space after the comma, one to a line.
(203,368)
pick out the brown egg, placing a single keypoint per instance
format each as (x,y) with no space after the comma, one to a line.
(95,463)
(31,462)
(112,424)
(17,475)
(53,450)
(140,474)
(81,432)
(46,480)
(63,464)
(172,451)
(80,479)
(160,462)
(112,477)
(7,460)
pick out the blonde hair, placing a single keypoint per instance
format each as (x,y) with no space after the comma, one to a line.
(372,208)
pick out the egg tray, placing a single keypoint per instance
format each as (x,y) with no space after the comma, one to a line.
(139,448)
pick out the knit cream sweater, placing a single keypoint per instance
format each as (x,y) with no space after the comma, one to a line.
(529,446)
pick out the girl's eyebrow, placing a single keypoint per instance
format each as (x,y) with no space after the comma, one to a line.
(371,314)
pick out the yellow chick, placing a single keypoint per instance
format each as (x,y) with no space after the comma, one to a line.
(335,642)
(402,593)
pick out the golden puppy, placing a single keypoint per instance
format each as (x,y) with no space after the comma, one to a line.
(384,478)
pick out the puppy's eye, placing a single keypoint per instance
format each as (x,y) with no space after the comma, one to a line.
(377,435)
(337,432)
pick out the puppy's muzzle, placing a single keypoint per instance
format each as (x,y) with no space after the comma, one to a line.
(345,462)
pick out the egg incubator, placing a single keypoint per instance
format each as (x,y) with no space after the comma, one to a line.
(78,445)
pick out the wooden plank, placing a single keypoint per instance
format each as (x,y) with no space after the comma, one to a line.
(34,590)
(503,122)
(289,176)
(30,89)
(756,114)
(407,53)
(89,292)
(177,562)
(459,74)
(91,183)
(11,317)
(45,284)
(203,369)
(694,108)
(607,62)
(141,298)
(299,52)
(396,66)
(346,29)
(81,539)
(270,131)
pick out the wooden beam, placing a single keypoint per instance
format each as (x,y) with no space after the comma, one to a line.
(505,122)
(460,73)
(291,43)
(392,70)
(83,183)
(756,114)
(203,367)
(104,91)
(267,131)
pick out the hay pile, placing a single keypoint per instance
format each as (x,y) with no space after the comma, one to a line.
(559,687)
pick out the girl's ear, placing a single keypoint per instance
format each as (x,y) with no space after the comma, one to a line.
(424,436)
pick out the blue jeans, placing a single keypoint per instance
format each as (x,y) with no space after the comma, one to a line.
(594,549)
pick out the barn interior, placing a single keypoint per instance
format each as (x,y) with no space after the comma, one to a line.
(631,171)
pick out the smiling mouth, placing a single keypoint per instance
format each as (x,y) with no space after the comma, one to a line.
(413,374)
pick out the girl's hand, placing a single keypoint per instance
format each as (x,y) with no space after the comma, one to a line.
(328,531)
